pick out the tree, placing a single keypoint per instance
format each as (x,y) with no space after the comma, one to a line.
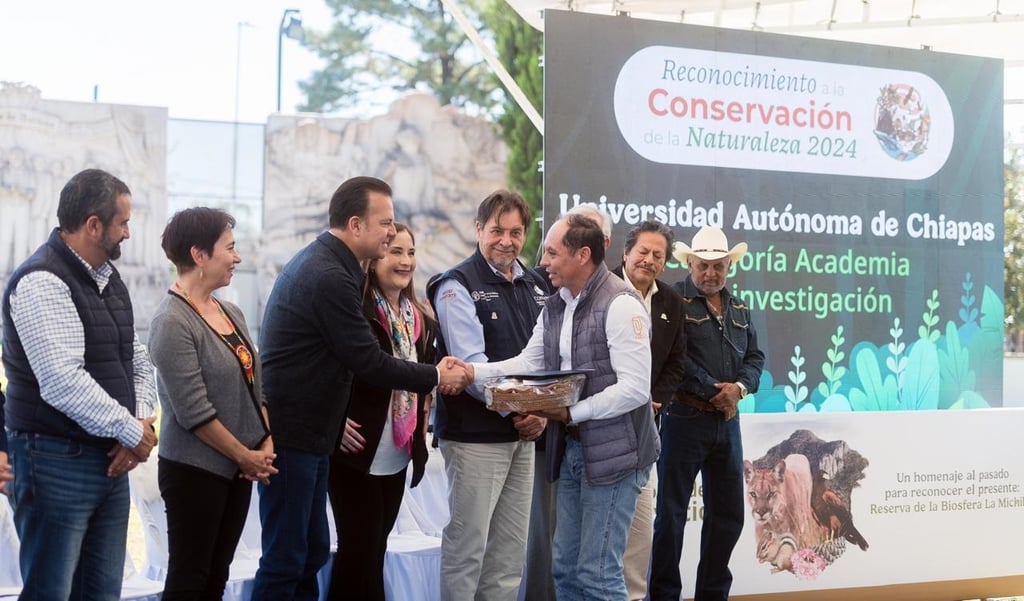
(519,47)
(1013,247)
(399,45)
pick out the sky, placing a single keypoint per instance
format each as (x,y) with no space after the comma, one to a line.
(185,55)
(199,58)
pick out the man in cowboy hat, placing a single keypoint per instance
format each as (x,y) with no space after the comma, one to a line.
(700,429)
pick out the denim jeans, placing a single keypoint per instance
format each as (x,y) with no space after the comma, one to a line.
(296,539)
(693,441)
(590,531)
(71,517)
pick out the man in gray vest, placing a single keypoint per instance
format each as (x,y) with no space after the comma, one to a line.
(603,451)
(79,398)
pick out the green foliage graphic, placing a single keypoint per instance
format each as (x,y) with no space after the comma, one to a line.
(939,370)
(896,363)
(797,393)
(929,319)
(832,369)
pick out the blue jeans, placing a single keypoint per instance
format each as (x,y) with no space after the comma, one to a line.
(296,539)
(590,532)
(71,517)
(693,441)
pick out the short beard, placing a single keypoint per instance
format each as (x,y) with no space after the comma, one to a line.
(709,292)
(113,249)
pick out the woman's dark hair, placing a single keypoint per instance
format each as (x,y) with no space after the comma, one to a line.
(87,193)
(409,292)
(352,199)
(200,227)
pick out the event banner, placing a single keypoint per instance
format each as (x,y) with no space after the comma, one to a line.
(867,181)
(908,497)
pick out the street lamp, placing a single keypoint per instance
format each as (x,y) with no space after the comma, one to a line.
(234,141)
(291,26)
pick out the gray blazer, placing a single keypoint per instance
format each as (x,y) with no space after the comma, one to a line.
(199,379)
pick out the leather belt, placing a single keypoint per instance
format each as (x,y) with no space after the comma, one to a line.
(573,432)
(696,403)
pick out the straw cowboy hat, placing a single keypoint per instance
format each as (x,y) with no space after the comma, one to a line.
(709,244)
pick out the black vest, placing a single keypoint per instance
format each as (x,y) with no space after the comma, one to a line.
(109,344)
(507,311)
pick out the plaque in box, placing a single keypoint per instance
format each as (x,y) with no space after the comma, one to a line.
(538,391)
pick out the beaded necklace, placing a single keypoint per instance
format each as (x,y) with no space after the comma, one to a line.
(232,339)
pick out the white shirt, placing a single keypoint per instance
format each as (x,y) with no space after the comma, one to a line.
(650,293)
(628,329)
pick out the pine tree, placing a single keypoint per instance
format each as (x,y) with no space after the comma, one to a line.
(401,45)
(519,47)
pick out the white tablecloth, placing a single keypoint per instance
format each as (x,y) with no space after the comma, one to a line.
(412,565)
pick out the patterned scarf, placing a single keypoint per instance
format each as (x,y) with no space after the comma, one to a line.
(403,329)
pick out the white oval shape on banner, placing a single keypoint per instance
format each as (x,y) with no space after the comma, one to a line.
(684,106)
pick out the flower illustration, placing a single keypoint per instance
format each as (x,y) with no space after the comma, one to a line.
(807,564)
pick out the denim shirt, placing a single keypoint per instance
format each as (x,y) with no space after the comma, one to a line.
(717,352)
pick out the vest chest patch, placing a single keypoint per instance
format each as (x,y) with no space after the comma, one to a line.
(483,295)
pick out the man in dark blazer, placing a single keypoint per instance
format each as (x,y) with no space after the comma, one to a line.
(315,337)
(644,255)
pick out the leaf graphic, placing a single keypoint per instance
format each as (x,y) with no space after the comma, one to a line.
(921,383)
(876,393)
(970,400)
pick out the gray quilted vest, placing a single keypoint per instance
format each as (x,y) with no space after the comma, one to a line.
(612,448)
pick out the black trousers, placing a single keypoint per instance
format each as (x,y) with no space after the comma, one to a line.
(365,509)
(205,517)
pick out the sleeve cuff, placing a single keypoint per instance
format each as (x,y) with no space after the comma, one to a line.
(131,435)
(579,413)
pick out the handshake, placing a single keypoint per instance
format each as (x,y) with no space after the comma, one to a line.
(454,375)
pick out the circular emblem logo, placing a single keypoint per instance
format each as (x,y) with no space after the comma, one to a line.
(902,122)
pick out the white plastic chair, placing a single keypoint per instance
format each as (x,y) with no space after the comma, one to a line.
(145,493)
(424,509)
(10,573)
(150,505)
(412,564)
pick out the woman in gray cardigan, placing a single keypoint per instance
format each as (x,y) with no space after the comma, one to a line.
(214,433)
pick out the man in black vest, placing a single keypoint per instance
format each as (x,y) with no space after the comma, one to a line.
(487,307)
(79,398)
(603,450)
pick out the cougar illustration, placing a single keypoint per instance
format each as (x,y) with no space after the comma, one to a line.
(780,503)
